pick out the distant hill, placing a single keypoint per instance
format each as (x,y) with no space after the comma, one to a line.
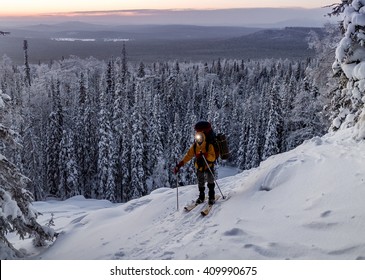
(140,32)
(151,43)
(283,35)
(286,42)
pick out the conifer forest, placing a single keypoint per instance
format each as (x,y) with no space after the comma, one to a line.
(114,130)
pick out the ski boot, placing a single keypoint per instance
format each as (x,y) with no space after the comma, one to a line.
(201,197)
(211,193)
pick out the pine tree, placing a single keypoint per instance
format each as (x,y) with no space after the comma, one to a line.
(141,71)
(55,130)
(138,176)
(31,156)
(69,174)
(252,156)
(138,170)
(156,159)
(81,135)
(175,145)
(16,212)
(124,67)
(89,145)
(349,65)
(214,103)
(103,149)
(306,120)
(26,63)
(110,188)
(125,158)
(117,131)
(110,81)
(274,130)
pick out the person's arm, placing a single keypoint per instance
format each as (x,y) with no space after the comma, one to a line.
(189,155)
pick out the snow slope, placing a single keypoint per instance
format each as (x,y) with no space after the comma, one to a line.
(304,204)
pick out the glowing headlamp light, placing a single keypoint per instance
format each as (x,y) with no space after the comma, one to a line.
(199,138)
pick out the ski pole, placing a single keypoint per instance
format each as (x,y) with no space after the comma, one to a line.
(211,172)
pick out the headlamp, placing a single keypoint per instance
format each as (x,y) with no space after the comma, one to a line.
(199,138)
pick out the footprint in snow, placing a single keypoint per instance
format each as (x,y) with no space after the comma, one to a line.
(320,226)
(234,232)
(119,255)
(168,255)
(326,214)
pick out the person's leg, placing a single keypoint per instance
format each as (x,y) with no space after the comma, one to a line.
(211,185)
(201,186)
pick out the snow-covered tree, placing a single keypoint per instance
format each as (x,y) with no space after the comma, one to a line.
(125,157)
(104,149)
(274,130)
(16,211)
(306,119)
(55,130)
(80,137)
(138,185)
(350,65)
(69,173)
(159,176)
(128,141)
(141,71)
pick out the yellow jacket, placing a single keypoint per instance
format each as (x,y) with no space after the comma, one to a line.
(208,154)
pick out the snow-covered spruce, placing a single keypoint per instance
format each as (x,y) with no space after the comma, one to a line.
(350,62)
(17,214)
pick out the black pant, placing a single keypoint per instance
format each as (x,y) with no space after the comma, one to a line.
(204,176)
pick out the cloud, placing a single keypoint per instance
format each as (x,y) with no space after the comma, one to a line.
(138,13)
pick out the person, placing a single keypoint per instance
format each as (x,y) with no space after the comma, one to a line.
(204,156)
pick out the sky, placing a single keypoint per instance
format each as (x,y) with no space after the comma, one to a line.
(44,7)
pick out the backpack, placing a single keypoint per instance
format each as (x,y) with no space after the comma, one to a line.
(219,141)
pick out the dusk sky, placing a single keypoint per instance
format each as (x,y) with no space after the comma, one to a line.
(45,7)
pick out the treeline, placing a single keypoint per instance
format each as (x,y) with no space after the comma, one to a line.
(113,130)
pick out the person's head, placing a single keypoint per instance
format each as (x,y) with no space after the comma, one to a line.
(199,138)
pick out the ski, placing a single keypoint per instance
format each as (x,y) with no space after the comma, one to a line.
(207,209)
(190,207)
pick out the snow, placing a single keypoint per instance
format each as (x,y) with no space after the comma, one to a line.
(357,4)
(307,203)
(349,56)
(9,207)
(2,103)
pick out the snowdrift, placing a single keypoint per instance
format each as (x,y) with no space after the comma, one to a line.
(304,204)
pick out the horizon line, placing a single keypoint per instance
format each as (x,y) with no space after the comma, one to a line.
(139,12)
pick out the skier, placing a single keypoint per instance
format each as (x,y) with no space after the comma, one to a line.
(204,157)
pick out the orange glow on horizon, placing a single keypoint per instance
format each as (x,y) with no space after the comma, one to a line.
(22,8)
